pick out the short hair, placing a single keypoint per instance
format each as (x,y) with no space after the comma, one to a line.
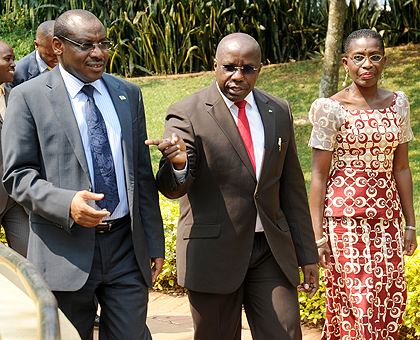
(363,33)
(61,27)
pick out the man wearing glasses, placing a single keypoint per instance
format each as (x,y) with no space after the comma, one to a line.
(80,165)
(229,154)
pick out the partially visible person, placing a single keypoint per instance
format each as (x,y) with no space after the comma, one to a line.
(13,217)
(244,227)
(75,157)
(357,208)
(41,60)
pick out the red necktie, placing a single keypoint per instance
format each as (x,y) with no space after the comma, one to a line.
(245,131)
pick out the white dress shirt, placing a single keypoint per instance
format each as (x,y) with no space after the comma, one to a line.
(104,102)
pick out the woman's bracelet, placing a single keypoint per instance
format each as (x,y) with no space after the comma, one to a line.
(321,241)
(410,227)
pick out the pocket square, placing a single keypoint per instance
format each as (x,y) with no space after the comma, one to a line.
(279,144)
(122,98)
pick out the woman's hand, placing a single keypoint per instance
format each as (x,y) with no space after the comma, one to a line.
(410,242)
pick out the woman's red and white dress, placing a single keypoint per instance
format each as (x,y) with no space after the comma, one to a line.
(366,288)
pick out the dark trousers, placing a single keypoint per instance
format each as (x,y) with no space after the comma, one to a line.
(116,280)
(270,302)
(15,222)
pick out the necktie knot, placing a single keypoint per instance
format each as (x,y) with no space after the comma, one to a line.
(88,90)
(241,104)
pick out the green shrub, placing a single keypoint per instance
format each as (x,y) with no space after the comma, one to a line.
(170,214)
(412,315)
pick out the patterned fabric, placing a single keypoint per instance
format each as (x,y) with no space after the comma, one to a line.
(366,289)
(361,183)
(103,163)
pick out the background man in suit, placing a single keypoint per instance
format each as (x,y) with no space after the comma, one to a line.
(80,165)
(244,223)
(42,60)
(13,217)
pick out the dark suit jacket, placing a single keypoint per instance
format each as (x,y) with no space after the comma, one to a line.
(220,197)
(45,166)
(26,68)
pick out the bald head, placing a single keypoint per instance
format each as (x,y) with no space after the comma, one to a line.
(46,29)
(237,41)
(43,43)
(237,65)
(68,21)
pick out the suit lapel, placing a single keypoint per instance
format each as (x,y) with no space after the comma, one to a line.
(267,113)
(58,96)
(221,114)
(33,69)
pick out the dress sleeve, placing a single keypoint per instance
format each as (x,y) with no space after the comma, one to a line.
(403,109)
(326,116)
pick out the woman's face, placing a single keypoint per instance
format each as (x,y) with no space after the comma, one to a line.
(365,61)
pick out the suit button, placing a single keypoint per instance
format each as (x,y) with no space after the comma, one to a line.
(257,196)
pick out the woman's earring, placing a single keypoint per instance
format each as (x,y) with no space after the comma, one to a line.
(382,81)
(345,79)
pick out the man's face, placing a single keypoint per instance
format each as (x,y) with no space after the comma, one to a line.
(45,50)
(7,63)
(237,53)
(87,66)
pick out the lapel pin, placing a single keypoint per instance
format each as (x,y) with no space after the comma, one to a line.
(279,144)
(270,111)
(122,98)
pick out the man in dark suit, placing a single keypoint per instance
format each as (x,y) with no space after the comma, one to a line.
(41,60)
(13,217)
(80,165)
(244,226)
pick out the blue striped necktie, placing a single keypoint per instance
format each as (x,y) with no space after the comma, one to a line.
(103,163)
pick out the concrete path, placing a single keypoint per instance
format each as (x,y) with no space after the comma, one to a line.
(169,318)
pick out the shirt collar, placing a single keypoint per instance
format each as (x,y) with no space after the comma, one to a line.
(74,85)
(249,98)
(2,92)
(42,65)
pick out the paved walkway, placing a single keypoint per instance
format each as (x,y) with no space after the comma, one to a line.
(169,318)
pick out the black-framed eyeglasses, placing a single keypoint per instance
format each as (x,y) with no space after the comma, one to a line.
(359,59)
(89,47)
(246,70)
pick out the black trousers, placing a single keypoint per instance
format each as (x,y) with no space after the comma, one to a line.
(270,302)
(116,280)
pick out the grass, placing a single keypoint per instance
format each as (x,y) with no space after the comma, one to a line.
(298,83)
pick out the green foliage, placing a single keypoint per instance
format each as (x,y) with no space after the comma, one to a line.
(180,36)
(412,316)
(15,30)
(170,214)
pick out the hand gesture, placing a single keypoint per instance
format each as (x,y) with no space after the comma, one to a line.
(84,214)
(173,149)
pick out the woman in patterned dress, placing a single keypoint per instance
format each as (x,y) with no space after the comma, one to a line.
(362,132)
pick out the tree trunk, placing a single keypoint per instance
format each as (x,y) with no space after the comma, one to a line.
(333,47)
